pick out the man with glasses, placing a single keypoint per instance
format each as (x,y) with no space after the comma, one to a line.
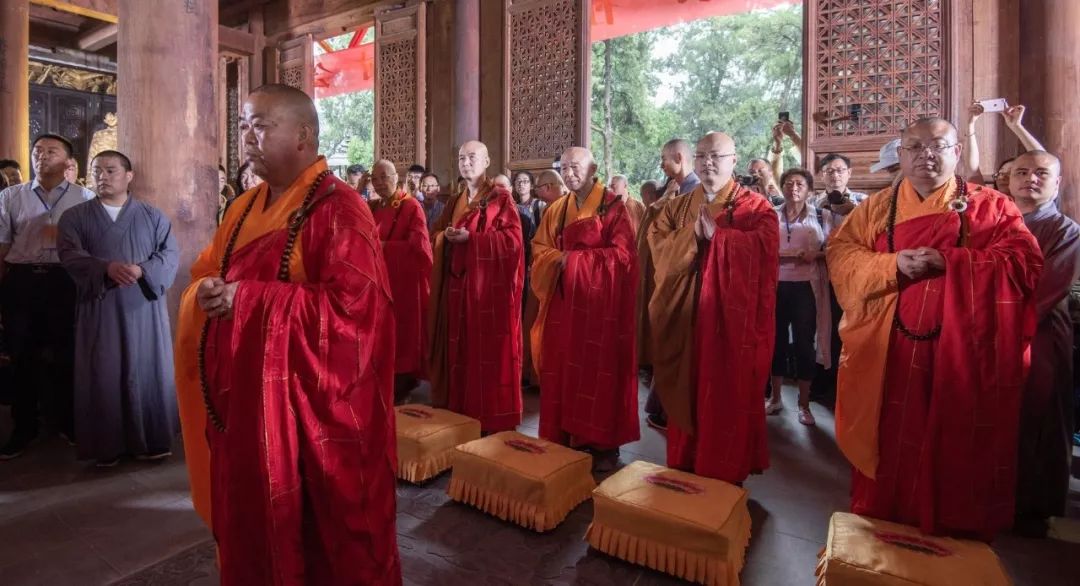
(549,187)
(836,171)
(936,278)
(715,253)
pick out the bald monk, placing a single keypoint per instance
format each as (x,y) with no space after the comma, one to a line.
(1046,415)
(407,251)
(677,163)
(585,277)
(715,253)
(635,208)
(935,276)
(550,186)
(475,311)
(284,367)
(503,181)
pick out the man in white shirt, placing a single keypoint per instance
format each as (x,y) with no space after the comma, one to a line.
(37,294)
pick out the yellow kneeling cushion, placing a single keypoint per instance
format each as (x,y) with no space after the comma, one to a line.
(426,438)
(674,522)
(867,552)
(528,481)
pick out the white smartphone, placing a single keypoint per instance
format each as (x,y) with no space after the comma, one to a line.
(994,105)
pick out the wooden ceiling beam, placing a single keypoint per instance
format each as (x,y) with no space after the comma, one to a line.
(103,10)
(236,41)
(99,38)
(238,7)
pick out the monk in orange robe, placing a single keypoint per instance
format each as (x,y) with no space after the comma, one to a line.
(634,208)
(712,315)
(407,251)
(935,277)
(284,367)
(585,277)
(475,313)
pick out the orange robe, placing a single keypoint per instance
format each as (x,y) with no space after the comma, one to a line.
(583,338)
(407,250)
(474,318)
(931,426)
(299,485)
(636,210)
(648,283)
(713,320)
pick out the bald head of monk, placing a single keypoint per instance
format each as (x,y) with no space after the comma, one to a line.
(1034,180)
(279,128)
(549,186)
(502,181)
(677,159)
(384,179)
(715,160)
(578,167)
(929,152)
(473,163)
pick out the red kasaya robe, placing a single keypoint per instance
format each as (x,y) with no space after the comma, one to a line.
(475,312)
(407,250)
(733,334)
(931,426)
(584,338)
(302,478)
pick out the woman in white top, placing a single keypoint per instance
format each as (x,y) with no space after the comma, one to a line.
(802,295)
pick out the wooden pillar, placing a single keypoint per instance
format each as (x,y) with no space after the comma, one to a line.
(1049,85)
(15,82)
(167,53)
(466,71)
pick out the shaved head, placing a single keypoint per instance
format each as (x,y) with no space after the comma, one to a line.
(676,158)
(929,153)
(294,103)
(473,162)
(549,186)
(578,168)
(501,180)
(279,129)
(715,160)
(1035,178)
(384,178)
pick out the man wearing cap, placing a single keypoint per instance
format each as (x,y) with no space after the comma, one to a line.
(888,159)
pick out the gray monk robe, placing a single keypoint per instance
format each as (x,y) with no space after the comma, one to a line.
(1047,412)
(125,394)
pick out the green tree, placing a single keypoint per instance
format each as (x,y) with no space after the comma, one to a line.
(347,126)
(731,73)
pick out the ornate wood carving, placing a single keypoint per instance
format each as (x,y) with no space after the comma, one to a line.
(546,80)
(71,114)
(887,60)
(400,57)
(71,78)
(296,64)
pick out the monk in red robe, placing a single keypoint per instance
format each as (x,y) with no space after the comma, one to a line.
(716,261)
(407,250)
(475,313)
(585,276)
(285,360)
(621,186)
(935,276)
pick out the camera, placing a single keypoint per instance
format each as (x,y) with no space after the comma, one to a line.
(836,198)
(746,180)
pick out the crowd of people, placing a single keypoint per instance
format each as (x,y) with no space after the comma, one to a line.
(936,311)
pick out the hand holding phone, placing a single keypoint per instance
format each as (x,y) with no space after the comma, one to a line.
(994,105)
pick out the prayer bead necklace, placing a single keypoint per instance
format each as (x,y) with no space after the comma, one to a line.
(295,223)
(959,205)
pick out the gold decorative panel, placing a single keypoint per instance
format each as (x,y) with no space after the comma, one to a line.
(73,79)
(883,58)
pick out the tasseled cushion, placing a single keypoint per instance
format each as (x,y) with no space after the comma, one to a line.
(426,438)
(866,552)
(674,522)
(528,481)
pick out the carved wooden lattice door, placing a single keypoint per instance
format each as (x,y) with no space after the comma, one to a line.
(873,66)
(296,64)
(546,79)
(400,56)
